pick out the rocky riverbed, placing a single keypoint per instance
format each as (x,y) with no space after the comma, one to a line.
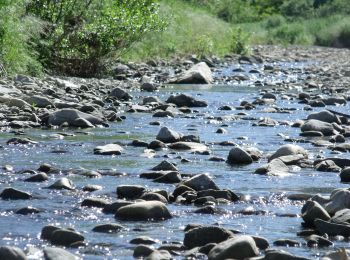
(238,157)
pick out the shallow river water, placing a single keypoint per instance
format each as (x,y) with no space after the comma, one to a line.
(76,151)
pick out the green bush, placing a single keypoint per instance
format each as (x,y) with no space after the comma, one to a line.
(17,33)
(297,8)
(291,34)
(239,41)
(80,35)
(274,21)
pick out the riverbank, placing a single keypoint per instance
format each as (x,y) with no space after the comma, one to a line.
(131,166)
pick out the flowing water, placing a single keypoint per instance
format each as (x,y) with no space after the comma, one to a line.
(76,151)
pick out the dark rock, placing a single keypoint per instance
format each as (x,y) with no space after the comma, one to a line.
(12,253)
(14,194)
(108,228)
(130,191)
(55,253)
(94,202)
(201,182)
(184,100)
(65,237)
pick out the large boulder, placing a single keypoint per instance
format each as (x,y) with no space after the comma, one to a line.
(130,191)
(14,194)
(120,94)
(201,182)
(240,247)
(340,199)
(143,211)
(15,102)
(238,155)
(201,236)
(55,253)
(73,117)
(198,74)
(332,229)
(167,135)
(12,253)
(313,210)
(65,237)
(276,167)
(325,116)
(289,149)
(326,129)
(184,100)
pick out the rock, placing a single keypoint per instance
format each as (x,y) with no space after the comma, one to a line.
(180,189)
(141,251)
(62,184)
(94,202)
(239,156)
(240,247)
(108,149)
(108,228)
(324,116)
(156,145)
(170,177)
(201,236)
(332,229)
(274,168)
(315,240)
(38,101)
(120,94)
(113,207)
(165,166)
(167,135)
(218,194)
(143,240)
(340,199)
(326,129)
(27,210)
(339,254)
(55,253)
(149,87)
(342,217)
(39,177)
(14,194)
(16,141)
(198,74)
(144,211)
(261,242)
(313,210)
(289,149)
(345,175)
(65,237)
(159,255)
(184,100)
(191,146)
(12,253)
(15,102)
(130,191)
(47,231)
(286,242)
(327,166)
(201,182)
(152,196)
(92,188)
(274,254)
(70,116)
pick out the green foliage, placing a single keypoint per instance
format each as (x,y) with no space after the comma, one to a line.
(274,21)
(239,41)
(203,45)
(291,34)
(79,35)
(17,33)
(297,8)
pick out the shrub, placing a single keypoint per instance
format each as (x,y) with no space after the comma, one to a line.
(17,33)
(239,41)
(79,35)
(274,21)
(299,8)
(291,34)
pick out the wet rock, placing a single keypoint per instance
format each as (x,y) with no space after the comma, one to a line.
(170,177)
(240,247)
(218,194)
(205,201)
(339,199)
(201,236)
(130,191)
(311,134)
(15,102)
(47,231)
(345,175)
(142,251)
(326,129)
(191,146)
(325,116)
(108,149)
(201,182)
(332,229)
(292,159)
(327,166)
(184,100)
(180,189)
(313,210)
(340,254)
(120,94)
(143,211)
(165,166)
(39,101)
(70,116)
(12,253)
(92,188)
(274,168)
(27,210)
(144,240)
(206,210)
(342,217)
(152,196)
(94,202)
(159,255)
(167,135)
(113,207)
(39,177)
(16,141)
(318,241)
(238,155)
(55,253)
(274,254)
(65,237)
(62,184)
(261,242)
(289,149)
(286,242)
(14,194)
(198,74)
(156,145)
(108,228)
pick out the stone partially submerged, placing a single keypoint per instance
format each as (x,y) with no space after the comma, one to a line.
(198,74)
(108,149)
